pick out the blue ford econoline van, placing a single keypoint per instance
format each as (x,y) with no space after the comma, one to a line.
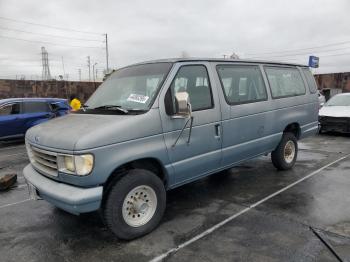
(157,125)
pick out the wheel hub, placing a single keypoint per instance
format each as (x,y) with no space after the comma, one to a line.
(139,206)
(289,151)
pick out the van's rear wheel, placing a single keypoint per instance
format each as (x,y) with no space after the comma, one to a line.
(285,155)
(135,204)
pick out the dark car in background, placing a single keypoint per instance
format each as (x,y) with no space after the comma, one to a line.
(17,115)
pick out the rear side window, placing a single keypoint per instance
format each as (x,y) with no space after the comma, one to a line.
(11,109)
(310,80)
(35,107)
(242,84)
(285,81)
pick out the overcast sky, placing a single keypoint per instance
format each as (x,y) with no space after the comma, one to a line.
(144,30)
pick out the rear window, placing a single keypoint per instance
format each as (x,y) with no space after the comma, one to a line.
(285,82)
(10,109)
(242,84)
(310,80)
(35,107)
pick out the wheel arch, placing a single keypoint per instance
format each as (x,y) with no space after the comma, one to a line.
(293,128)
(151,164)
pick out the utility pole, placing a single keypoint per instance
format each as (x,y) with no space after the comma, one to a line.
(79,72)
(107,66)
(93,72)
(45,62)
(89,66)
(64,73)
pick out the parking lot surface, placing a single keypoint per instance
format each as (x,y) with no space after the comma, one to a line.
(249,213)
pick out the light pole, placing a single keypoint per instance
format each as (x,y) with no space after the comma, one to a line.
(107,62)
(93,73)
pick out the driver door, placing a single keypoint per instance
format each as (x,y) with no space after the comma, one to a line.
(198,153)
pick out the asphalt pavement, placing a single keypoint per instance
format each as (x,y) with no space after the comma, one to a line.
(249,213)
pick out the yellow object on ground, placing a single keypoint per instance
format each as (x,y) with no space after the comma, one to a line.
(75,104)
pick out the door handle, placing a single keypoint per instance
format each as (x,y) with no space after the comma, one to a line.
(217,131)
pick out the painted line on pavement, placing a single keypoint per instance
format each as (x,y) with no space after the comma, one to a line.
(13,154)
(16,203)
(11,147)
(222,223)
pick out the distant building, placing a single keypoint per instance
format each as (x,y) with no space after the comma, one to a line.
(331,84)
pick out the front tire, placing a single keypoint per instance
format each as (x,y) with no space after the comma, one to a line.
(135,204)
(285,155)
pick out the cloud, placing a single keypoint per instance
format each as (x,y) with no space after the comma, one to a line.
(144,30)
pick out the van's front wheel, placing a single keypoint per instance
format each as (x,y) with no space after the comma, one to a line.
(285,155)
(135,204)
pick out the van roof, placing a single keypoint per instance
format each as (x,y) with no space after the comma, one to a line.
(174,60)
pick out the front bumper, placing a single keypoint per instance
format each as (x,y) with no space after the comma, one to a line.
(335,124)
(72,199)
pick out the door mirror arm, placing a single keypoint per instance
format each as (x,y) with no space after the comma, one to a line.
(184,110)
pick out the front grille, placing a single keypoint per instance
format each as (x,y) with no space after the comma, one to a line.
(44,161)
(341,124)
(334,120)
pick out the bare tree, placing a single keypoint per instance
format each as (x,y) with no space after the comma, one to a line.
(184,54)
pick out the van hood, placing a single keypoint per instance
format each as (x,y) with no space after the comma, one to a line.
(335,111)
(75,132)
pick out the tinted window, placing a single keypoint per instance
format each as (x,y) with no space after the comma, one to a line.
(35,107)
(195,81)
(285,81)
(310,80)
(12,109)
(242,84)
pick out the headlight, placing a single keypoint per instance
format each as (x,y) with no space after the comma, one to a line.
(69,163)
(83,164)
(75,164)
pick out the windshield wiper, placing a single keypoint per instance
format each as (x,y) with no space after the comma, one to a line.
(112,107)
(83,107)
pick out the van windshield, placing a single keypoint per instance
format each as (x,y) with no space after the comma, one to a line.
(130,88)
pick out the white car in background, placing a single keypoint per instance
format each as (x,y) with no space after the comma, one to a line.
(335,114)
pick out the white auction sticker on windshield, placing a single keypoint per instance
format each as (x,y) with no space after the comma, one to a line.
(137,98)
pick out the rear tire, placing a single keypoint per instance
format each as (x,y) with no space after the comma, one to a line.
(135,204)
(285,155)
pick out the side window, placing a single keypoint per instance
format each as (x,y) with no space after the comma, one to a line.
(242,84)
(194,80)
(35,107)
(285,81)
(12,109)
(310,80)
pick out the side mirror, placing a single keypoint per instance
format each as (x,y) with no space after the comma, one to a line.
(182,105)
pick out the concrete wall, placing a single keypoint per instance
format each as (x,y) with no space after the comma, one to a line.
(337,80)
(32,88)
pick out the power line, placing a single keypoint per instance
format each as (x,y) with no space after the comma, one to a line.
(51,35)
(301,49)
(336,54)
(304,53)
(49,26)
(50,43)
